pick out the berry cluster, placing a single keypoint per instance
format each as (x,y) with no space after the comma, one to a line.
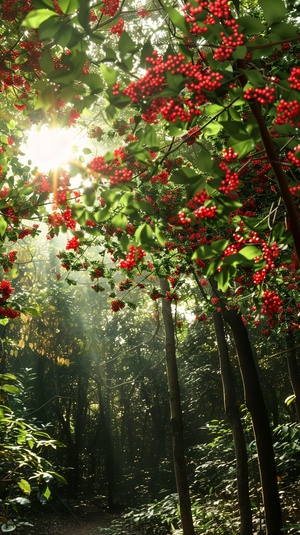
(264,96)
(172,296)
(200,198)
(8,313)
(272,304)
(193,135)
(294,78)
(205,212)
(110,7)
(96,132)
(8,260)
(96,273)
(125,285)
(73,243)
(42,183)
(74,115)
(135,255)
(292,156)
(288,112)
(183,218)
(12,9)
(197,81)
(162,177)
(142,12)
(229,43)
(230,182)
(5,290)
(118,28)
(67,218)
(229,154)
(117,305)
(154,294)
(202,317)
(116,176)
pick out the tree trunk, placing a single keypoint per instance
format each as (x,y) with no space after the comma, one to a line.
(294,372)
(79,432)
(108,445)
(176,415)
(256,404)
(233,415)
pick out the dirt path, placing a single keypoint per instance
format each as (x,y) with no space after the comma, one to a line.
(81,522)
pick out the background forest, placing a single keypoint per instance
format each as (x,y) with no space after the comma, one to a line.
(149,250)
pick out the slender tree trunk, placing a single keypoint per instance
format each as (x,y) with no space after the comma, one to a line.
(294,372)
(80,418)
(233,414)
(108,445)
(256,404)
(2,349)
(176,415)
(274,159)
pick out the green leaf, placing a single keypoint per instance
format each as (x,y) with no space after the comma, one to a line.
(256,78)
(10,526)
(204,252)
(46,62)
(11,389)
(35,18)
(236,129)
(250,252)
(185,175)
(124,242)
(213,266)
(58,477)
(240,52)
(284,30)
(24,486)
(94,82)
(178,20)
(83,18)
(160,236)
(102,215)
(3,226)
(47,493)
(126,45)
(31,311)
(7,377)
(149,137)
(219,246)
(290,399)
(109,74)
(242,147)
(274,11)
(144,234)
(120,221)
(213,109)
(224,276)
(146,53)
(212,129)
(68,6)
(250,25)
(89,196)
(204,161)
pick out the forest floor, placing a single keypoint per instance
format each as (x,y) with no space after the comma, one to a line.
(83,520)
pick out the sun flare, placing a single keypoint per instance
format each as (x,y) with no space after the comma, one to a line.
(49,148)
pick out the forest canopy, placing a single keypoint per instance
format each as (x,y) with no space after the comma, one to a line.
(149,153)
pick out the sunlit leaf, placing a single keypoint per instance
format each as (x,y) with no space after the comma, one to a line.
(274,11)
(35,18)
(24,486)
(68,6)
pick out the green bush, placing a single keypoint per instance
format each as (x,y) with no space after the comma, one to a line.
(25,473)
